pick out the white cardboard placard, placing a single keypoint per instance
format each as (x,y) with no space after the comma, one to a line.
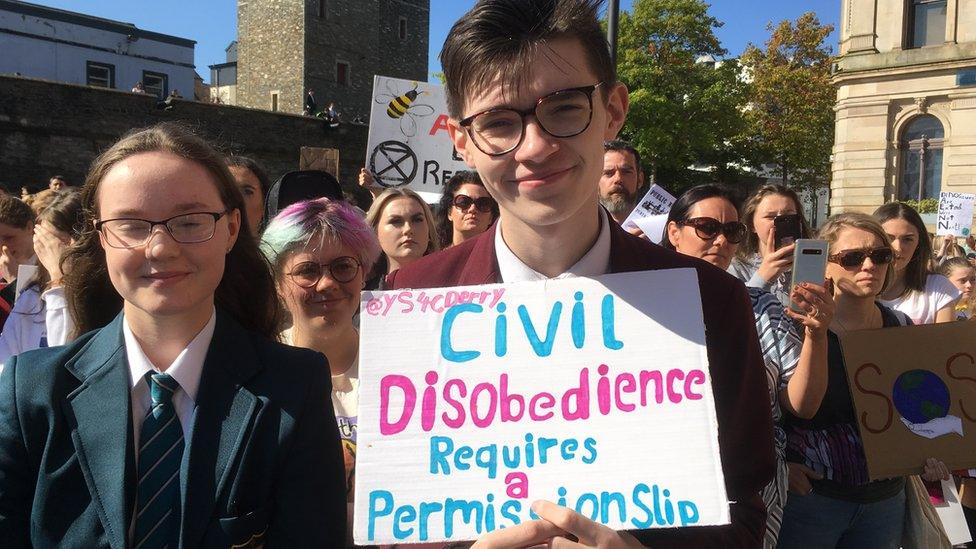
(408,143)
(655,202)
(955,214)
(579,354)
(952,516)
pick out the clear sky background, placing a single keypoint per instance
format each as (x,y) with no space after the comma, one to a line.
(213,23)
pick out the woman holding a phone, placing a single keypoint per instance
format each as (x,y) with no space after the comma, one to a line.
(833,502)
(704,223)
(924,296)
(774,219)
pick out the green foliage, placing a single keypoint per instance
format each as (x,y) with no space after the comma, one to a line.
(924,206)
(440,76)
(682,113)
(790,118)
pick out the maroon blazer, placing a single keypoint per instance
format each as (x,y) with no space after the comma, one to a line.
(745,431)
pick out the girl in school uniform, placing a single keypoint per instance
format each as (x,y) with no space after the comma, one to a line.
(175,419)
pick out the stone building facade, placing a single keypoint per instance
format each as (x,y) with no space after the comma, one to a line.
(331,46)
(906,102)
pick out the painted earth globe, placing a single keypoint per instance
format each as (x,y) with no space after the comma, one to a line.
(921,396)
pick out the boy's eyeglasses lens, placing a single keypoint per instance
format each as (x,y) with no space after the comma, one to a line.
(564,113)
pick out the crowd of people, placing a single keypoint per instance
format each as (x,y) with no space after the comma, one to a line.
(181,364)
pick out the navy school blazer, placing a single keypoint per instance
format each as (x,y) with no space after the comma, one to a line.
(263,464)
(734,357)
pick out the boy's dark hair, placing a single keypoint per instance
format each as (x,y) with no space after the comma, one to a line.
(15,212)
(620,145)
(497,39)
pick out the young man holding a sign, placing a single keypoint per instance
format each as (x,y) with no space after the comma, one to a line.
(533,95)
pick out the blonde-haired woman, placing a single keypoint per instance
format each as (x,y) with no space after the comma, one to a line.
(404,226)
(832,501)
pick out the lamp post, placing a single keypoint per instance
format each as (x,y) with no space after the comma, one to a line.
(613,11)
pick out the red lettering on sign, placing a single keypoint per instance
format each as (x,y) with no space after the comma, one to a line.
(864,415)
(439,124)
(949,364)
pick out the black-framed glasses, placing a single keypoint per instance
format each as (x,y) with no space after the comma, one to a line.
(851,259)
(708,228)
(130,232)
(463,202)
(308,273)
(562,113)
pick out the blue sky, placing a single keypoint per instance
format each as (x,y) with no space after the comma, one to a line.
(213,23)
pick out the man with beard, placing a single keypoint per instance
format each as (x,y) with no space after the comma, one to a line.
(622,178)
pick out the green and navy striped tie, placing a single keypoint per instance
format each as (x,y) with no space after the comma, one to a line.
(160,454)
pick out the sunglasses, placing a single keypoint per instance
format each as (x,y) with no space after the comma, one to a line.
(852,259)
(463,202)
(708,228)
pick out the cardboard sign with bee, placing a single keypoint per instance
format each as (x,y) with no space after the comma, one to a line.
(408,143)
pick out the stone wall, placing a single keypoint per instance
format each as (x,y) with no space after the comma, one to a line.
(49,128)
(270,54)
(366,36)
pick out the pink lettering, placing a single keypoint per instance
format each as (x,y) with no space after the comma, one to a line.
(409,400)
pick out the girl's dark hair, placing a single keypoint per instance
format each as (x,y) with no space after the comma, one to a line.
(252,165)
(445,230)
(246,291)
(750,246)
(688,199)
(917,270)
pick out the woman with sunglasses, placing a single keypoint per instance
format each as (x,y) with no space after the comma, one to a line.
(832,501)
(465,209)
(924,296)
(404,226)
(704,223)
(759,263)
(176,419)
(320,251)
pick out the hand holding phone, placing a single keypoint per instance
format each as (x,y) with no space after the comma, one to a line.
(787,229)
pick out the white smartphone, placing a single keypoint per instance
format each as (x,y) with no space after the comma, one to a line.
(809,263)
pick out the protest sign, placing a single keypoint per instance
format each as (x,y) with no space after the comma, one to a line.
(955,214)
(914,391)
(408,144)
(476,401)
(651,213)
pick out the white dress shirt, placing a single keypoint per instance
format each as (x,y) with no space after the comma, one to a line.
(186,370)
(595,262)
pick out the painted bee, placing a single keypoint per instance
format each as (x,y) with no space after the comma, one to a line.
(402,106)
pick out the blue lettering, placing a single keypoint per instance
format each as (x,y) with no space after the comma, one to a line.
(610,340)
(374,497)
(688,512)
(576,325)
(440,448)
(541,347)
(510,510)
(447,351)
(405,513)
(647,522)
(605,499)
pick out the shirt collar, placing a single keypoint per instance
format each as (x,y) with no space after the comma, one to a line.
(595,262)
(187,367)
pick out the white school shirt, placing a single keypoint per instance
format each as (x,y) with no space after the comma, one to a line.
(922,306)
(186,370)
(595,262)
(36,320)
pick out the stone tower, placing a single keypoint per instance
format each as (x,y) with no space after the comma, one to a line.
(331,46)
(906,102)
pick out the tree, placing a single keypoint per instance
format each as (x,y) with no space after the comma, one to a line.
(790,119)
(683,111)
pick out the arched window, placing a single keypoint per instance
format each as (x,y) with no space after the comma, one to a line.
(921,159)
